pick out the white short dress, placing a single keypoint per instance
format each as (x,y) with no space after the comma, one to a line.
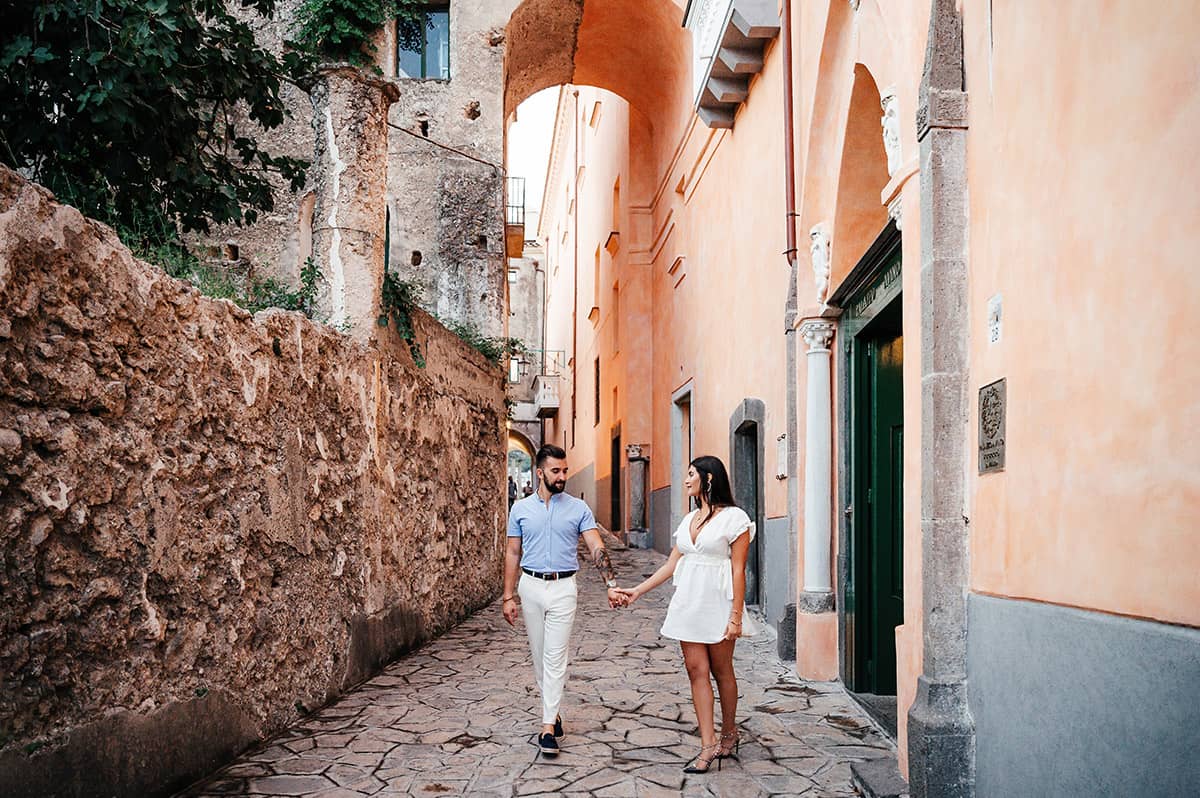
(703,600)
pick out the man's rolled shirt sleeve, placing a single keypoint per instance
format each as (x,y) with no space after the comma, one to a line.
(514,522)
(587,520)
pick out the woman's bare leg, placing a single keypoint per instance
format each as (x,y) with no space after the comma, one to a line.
(695,658)
(720,658)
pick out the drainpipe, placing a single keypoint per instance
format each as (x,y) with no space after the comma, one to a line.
(575,279)
(542,372)
(787,624)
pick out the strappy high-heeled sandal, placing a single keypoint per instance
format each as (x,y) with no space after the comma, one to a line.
(730,743)
(694,764)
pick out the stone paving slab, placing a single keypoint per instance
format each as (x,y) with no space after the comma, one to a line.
(458,717)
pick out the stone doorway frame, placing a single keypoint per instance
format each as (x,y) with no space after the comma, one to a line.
(752,412)
(869,269)
(685,394)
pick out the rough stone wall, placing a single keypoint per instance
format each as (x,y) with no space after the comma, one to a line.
(211,523)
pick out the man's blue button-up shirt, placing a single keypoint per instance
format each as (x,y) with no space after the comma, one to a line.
(550,533)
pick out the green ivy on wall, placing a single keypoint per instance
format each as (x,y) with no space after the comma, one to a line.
(343,30)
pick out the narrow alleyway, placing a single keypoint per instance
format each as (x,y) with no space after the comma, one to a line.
(457,718)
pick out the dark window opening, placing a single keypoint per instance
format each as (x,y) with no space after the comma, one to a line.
(423,44)
(596,418)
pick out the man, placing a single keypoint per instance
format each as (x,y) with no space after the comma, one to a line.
(543,539)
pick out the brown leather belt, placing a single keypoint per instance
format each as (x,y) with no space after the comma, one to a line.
(550,576)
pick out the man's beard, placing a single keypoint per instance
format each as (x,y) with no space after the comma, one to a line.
(556,487)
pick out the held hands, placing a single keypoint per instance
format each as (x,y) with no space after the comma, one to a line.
(624,596)
(616,598)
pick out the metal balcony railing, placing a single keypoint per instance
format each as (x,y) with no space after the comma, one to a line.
(514,210)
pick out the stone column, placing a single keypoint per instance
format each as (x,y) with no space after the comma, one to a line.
(349,176)
(816,622)
(941,732)
(637,471)
(817,595)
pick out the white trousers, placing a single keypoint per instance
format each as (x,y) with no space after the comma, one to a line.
(549,610)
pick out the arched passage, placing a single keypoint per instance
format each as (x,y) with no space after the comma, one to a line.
(519,464)
(637,49)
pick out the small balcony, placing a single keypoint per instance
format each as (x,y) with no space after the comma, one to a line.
(728,38)
(545,395)
(514,216)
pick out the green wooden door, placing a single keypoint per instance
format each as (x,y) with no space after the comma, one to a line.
(885,503)
(878,544)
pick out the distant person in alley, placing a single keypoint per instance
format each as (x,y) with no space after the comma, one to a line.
(708,563)
(543,540)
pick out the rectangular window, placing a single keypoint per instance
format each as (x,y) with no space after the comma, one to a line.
(423,44)
(616,213)
(616,316)
(594,314)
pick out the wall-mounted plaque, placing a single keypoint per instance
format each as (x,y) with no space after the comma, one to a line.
(992,405)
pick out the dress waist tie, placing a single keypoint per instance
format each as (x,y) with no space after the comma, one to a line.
(708,561)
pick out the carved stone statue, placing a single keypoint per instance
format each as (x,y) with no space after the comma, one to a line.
(891,131)
(820,247)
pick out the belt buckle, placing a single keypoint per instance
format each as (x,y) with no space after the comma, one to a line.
(553,576)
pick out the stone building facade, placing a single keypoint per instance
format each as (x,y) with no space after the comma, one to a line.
(445,193)
(528,369)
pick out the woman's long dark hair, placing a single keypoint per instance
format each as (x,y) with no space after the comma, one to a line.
(714,484)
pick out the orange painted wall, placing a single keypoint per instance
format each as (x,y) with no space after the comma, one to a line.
(1086,219)
(1083,217)
(718,313)
(612,139)
(710,201)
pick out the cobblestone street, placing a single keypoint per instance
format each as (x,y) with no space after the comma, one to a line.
(458,716)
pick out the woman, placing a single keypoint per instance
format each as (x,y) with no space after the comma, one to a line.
(708,562)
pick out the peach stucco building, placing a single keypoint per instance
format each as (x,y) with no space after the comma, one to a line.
(955,378)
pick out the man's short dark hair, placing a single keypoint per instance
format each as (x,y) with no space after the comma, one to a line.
(547,452)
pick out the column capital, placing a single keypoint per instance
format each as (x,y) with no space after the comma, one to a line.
(817,334)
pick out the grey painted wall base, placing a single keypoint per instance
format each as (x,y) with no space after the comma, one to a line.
(582,485)
(1070,702)
(600,501)
(785,643)
(641,539)
(660,519)
(776,570)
